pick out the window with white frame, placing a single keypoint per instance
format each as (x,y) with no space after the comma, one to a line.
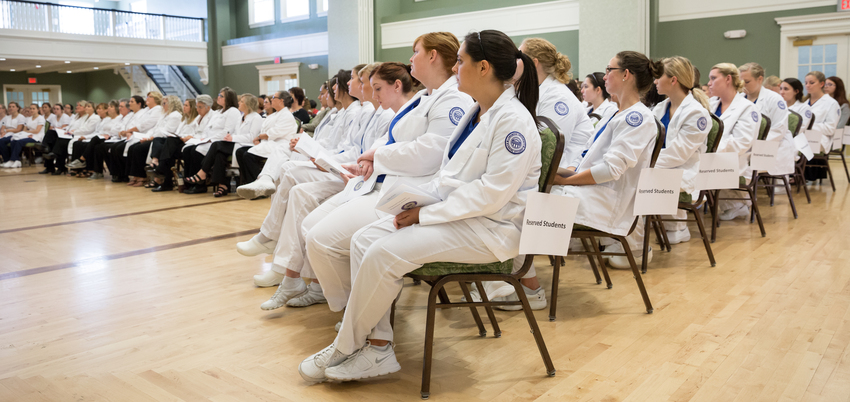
(322,8)
(294,10)
(823,58)
(260,13)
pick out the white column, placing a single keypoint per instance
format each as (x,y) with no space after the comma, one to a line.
(350,40)
(610,26)
(366,29)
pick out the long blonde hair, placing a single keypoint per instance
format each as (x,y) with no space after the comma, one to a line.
(681,68)
(173,104)
(730,70)
(553,62)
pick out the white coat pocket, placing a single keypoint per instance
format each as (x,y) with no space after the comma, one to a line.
(475,166)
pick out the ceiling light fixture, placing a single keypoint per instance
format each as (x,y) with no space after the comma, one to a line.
(1,59)
(69,71)
(97,68)
(126,64)
(37,66)
(11,69)
(67,62)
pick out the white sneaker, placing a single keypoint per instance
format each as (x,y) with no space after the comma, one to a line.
(268,279)
(338,326)
(313,296)
(253,247)
(7,165)
(741,211)
(262,187)
(622,262)
(282,295)
(536,299)
(16,164)
(75,164)
(367,362)
(493,289)
(681,236)
(313,368)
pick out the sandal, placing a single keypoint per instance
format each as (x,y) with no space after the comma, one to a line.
(221,191)
(151,184)
(193,179)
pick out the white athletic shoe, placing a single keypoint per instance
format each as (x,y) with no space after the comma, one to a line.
(536,299)
(493,289)
(622,262)
(313,296)
(7,165)
(252,247)
(367,362)
(262,187)
(16,164)
(741,211)
(680,236)
(268,279)
(281,296)
(338,326)
(75,164)
(313,368)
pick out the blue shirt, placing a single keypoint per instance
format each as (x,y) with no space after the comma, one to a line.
(463,135)
(666,122)
(598,133)
(718,112)
(392,125)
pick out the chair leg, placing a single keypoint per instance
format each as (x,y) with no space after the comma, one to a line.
(553,295)
(829,172)
(714,221)
(704,235)
(648,222)
(481,330)
(756,212)
(497,332)
(392,315)
(771,190)
(847,172)
(664,240)
(601,262)
(430,319)
(637,276)
(535,329)
(588,248)
(790,197)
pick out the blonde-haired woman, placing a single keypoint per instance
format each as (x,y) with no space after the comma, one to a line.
(772,83)
(557,102)
(166,126)
(772,105)
(827,112)
(741,122)
(167,155)
(215,163)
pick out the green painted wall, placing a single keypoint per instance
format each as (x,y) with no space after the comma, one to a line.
(245,77)
(103,86)
(97,86)
(703,43)
(243,30)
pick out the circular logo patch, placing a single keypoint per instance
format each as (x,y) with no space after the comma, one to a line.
(781,105)
(562,109)
(634,119)
(358,186)
(409,205)
(702,123)
(515,143)
(455,115)
(808,114)
(755,117)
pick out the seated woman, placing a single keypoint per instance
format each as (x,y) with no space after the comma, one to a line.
(83,148)
(791,90)
(834,87)
(45,110)
(297,109)
(223,123)
(215,162)
(141,137)
(110,125)
(827,114)
(153,140)
(136,116)
(597,97)
(164,158)
(12,124)
(741,123)
(490,165)
(2,117)
(85,124)
(772,105)
(33,132)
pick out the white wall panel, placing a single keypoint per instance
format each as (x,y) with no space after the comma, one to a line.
(675,10)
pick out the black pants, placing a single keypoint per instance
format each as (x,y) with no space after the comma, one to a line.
(215,162)
(118,167)
(100,155)
(168,154)
(88,153)
(250,165)
(191,161)
(137,155)
(815,173)
(60,150)
(49,140)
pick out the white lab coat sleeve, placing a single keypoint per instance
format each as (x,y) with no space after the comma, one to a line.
(231,122)
(285,127)
(828,124)
(744,132)
(149,120)
(423,155)
(778,122)
(504,175)
(625,150)
(172,122)
(687,141)
(88,127)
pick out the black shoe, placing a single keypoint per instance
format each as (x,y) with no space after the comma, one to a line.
(43,148)
(196,189)
(58,172)
(46,171)
(161,187)
(49,155)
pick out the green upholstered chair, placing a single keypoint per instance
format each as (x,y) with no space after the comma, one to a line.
(800,165)
(769,182)
(438,274)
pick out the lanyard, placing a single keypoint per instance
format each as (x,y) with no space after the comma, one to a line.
(399,116)
(598,133)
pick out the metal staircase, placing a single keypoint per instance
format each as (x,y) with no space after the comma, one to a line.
(168,80)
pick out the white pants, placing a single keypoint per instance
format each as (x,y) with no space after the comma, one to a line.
(677,226)
(306,172)
(328,232)
(635,240)
(382,255)
(274,163)
(726,205)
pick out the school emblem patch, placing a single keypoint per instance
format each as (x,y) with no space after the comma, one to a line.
(702,123)
(455,115)
(358,186)
(781,105)
(515,143)
(409,205)
(755,117)
(634,119)
(562,109)
(808,114)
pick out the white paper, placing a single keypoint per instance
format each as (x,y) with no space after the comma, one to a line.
(845,135)
(61,134)
(196,141)
(308,147)
(357,186)
(837,138)
(326,161)
(814,136)
(402,197)
(801,143)
(658,191)
(548,224)
(717,171)
(764,153)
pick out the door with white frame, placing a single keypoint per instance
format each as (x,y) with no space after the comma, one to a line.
(27,94)
(827,54)
(278,77)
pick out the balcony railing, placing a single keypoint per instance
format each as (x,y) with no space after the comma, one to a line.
(45,17)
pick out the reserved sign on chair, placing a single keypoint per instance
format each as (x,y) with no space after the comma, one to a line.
(548,224)
(764,153)
(717,171)
(813,137)
(658,191)
(801,143)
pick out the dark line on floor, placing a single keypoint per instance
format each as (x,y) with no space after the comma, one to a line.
(58,267)
(49,225)
(19,174)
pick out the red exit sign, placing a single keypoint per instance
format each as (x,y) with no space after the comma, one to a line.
(843,5)
(31,80)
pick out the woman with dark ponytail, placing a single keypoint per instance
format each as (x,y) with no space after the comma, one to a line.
(596,96)
(490,165)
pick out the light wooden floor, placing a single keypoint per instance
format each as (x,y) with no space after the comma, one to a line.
(115,293)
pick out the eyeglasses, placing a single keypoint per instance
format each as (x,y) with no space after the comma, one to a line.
(480,43)
(609,69)
(271,97)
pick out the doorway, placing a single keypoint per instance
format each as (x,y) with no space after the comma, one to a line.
(27,94)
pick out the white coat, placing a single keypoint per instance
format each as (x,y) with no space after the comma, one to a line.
(244,136)
(375,127)
(346,126)
(686,136)
(827,113)
(55,122)
(487,182)
(119,126)
(144,120)
(165,127)
(325,126)
(104,127)
(219,126)
(12,123)
(772,105)
(614,160)
(741,124)
(281,127)
(31,123)
(605,110)
(86,128)
(560,105)
(805,111)
(421,135)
